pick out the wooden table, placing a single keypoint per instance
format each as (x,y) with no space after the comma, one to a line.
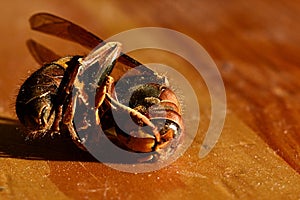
(255,45)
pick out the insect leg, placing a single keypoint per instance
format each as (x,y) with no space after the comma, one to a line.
(64,91)
(101,92)
(68,120)
(135,115)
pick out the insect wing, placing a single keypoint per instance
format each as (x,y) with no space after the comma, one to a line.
(92,74)
(62,28)
(99,64)
(41,53)
(123,69)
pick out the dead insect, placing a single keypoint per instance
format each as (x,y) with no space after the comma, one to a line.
(49,101)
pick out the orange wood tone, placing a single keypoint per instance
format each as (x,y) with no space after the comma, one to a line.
(255,45)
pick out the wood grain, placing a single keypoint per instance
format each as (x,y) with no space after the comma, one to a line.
(255,45)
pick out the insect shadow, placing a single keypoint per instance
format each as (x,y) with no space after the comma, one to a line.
(13,144)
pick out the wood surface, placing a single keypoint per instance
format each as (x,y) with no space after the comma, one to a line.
(255,45)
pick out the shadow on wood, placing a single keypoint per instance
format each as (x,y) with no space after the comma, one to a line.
(13,144)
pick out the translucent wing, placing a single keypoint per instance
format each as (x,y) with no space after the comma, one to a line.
(62,28)
(41,53)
